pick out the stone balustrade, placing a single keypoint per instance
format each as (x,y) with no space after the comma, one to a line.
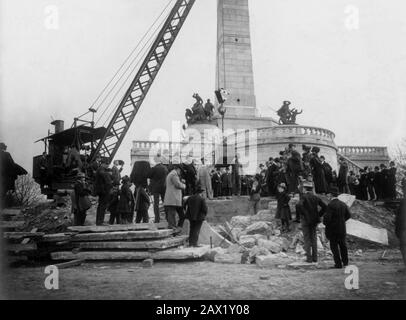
(297,130)
(147,145)
(359,150)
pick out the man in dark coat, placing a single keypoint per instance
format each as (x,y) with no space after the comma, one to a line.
(400,228)
(9,171)
(335,218)
(342,179)
(391,181)
(384,181)
(157,186)
(226,183)
(270,176)
(236,177)
(308,210)
(328,172)
(216,183)
(319,178)
(363,185)
(294,168)
(370,184)
(82,192)
(196,211)
(378,179)
(103,186)
(189,173)
(306,157)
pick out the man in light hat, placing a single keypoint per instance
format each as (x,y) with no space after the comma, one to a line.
(204,180)
(173,197)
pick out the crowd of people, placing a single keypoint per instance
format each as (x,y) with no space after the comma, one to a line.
(291,167)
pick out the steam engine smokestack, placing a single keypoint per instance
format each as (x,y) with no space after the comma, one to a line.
(59,125)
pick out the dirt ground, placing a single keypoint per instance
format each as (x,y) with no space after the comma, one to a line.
(378,279)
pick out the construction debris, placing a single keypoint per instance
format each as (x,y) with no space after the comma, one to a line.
(147,263)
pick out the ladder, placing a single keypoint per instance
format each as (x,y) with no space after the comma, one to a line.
(130,104)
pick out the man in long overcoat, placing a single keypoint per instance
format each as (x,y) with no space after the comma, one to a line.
(173,198)
(204,179)
(157,186)
(196,211)
(337,214)
(342,179)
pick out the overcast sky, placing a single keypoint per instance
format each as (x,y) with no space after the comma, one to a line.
(347,79)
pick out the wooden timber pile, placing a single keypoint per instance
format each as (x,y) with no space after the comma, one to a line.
(94,243)
(19,246)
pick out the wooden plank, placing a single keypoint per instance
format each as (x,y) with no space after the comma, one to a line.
(135,245)
(124,235)
(22,235)
(172,254)
(57,237)
(73,263)
(10,213)
(118,227)
(17,247)
(11,225)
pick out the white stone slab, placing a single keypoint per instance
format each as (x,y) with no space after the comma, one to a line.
(365,231)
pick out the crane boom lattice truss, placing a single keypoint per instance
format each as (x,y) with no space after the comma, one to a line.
(134,96)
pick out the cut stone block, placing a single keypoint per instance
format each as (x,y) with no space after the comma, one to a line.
(228,258)
(272,260)
(122,235)
(302,265)
(248,241)
(213,252)
(240,221)
(347,199)
(147,263)
(367,232)
(207,232)
(119,227)
(270,245)
(258,228)
(171,254)
(264,215)
(135,245)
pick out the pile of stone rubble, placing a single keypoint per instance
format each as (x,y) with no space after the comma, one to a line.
(258,239)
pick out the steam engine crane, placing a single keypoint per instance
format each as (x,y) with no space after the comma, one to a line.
(106,141)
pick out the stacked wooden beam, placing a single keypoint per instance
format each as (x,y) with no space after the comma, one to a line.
(123,242)
(117,242)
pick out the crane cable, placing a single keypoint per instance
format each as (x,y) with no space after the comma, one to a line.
(143,52)
(123,64)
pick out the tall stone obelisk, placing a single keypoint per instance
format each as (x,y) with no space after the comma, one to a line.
(234,70)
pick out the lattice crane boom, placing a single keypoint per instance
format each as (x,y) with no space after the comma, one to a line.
(137,91)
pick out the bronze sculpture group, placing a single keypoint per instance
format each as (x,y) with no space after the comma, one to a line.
(199,113)
(287,115)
